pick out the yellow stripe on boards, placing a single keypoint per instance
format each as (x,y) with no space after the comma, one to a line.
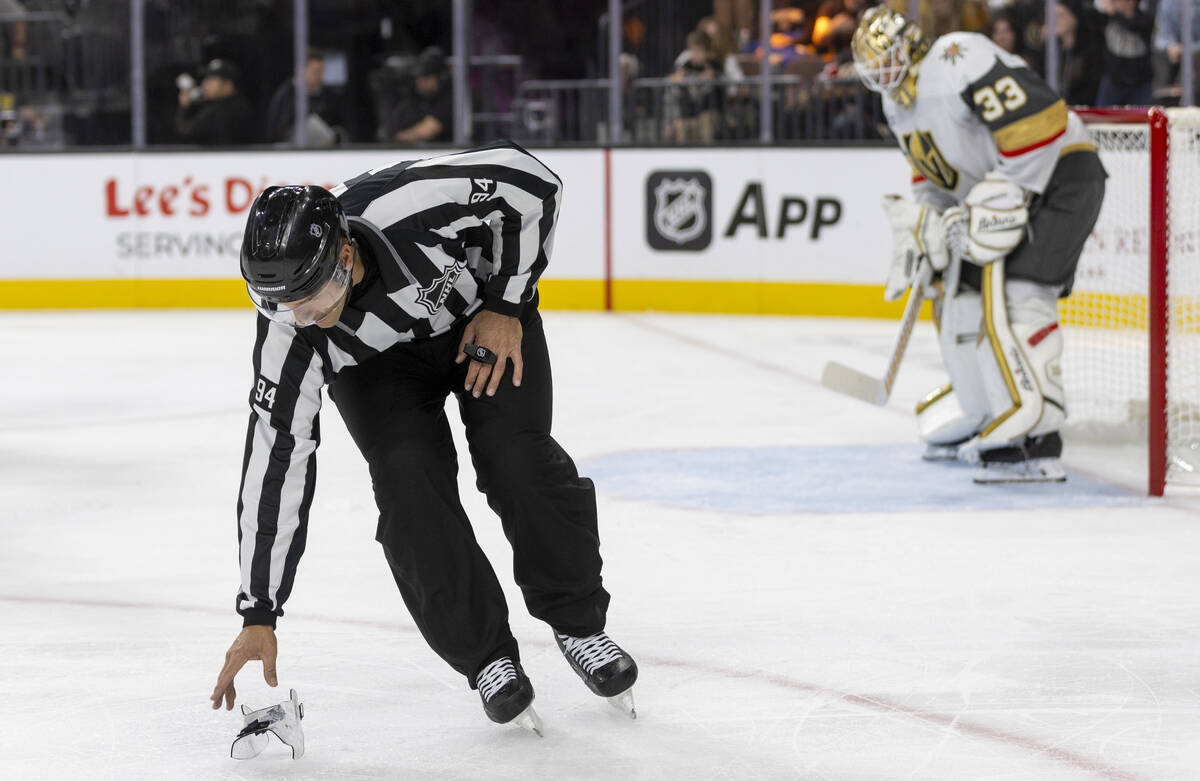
(763,298)
(214,294)
(578,294)
(122,293)
(664,295)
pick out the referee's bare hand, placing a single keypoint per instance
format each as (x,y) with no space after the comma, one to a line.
(254,642)
(502,335)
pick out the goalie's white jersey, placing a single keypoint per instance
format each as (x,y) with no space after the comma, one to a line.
(980,109)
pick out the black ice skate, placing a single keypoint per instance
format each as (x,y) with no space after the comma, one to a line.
(604,667)
(507,695)
(1033,460)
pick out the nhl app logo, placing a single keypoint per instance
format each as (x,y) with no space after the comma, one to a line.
(679,210)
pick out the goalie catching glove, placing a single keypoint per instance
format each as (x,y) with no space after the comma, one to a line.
(917,233)
(989,224)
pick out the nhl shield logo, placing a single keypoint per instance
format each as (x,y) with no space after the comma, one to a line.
(433,295)
(679,210)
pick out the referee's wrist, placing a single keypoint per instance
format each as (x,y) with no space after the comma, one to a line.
(502,307)
(257,616)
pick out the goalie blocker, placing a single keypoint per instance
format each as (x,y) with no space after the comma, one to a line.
(999,333)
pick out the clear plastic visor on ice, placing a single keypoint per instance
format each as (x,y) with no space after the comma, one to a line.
(283,720)
(308,310)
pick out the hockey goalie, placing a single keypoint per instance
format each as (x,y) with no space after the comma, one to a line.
(1006,187)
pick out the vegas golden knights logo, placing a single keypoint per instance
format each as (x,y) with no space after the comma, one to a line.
(927,159)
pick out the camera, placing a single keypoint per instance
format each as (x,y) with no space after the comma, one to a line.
(185,83)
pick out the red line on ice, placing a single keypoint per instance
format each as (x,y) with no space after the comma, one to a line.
(873,703)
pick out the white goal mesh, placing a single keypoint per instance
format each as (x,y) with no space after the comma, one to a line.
(1106,359)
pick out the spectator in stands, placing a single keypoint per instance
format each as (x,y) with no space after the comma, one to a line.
(849,117)
(1128,72)
(738,16)
(1003,32)
(733,100)
(1168,37)
(1029,23)
(427,114)
(841,33)
(723,48)
(216,113)
(640,126)
(324,113)
(939,17)
(822,28)
(698,100)
(790,38)
(1081,52)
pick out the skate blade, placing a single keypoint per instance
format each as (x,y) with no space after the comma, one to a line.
(1044,470)
(529,719)
(624,703)
(938,453)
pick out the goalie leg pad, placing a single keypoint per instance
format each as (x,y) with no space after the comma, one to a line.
(1033,312)
(960,411)
(1019,360)
(942,422)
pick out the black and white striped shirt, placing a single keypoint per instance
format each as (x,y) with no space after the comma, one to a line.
(448,235)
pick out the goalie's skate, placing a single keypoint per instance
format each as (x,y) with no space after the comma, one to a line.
(1035,470)
(605,668)
(507,695)
(935,452)
(1033,460)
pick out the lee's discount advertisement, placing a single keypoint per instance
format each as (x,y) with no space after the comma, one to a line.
(208,200)
(177,215)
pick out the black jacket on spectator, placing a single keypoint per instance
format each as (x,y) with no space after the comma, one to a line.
(281,111)
(222,122)
(1081,66)
(412,109)
(703,96)
(1127,49)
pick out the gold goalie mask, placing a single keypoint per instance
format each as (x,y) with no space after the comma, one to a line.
(887,47)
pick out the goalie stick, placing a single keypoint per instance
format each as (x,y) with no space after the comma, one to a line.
(852,382)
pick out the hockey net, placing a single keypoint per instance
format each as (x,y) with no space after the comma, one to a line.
(1131,361)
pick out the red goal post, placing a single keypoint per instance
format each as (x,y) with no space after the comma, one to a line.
(1131,363)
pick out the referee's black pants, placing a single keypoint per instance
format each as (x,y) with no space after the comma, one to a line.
(394,407)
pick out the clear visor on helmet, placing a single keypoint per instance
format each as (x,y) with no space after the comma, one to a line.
(883,71)
(310,310)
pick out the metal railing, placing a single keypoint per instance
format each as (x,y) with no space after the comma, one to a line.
(697,111)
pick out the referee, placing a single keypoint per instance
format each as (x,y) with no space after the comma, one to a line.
(401,286)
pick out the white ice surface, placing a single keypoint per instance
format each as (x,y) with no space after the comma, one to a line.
(797,610)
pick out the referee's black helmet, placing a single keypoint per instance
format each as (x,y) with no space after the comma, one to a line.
(293,238)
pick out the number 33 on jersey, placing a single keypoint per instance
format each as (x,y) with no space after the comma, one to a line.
(980,109)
